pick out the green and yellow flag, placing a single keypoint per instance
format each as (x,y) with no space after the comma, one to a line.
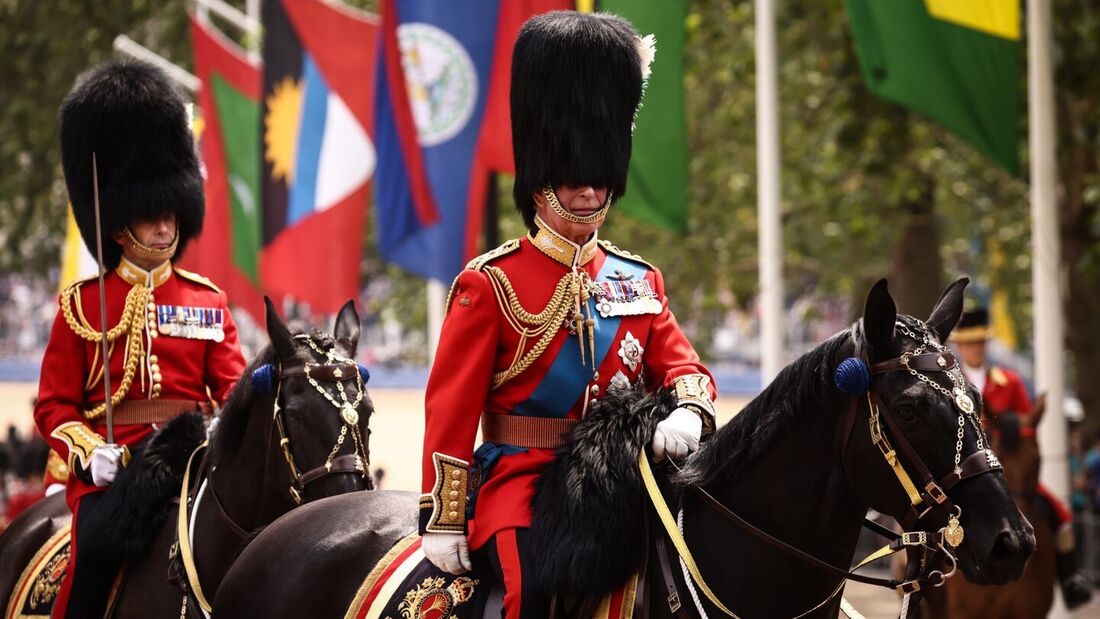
(956,61)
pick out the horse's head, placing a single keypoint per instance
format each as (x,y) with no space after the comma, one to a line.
(1014,438)
(923,458)
(321,406)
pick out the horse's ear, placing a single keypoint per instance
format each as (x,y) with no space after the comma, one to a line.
(879,315)
(948,309)
(278,332)
(347,328)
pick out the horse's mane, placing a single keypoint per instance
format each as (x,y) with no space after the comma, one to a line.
(805,384)
(233,418)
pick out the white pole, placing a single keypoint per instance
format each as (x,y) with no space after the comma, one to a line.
(1045,253)
(768,204)
(437,296)
(127,46)
(248,22)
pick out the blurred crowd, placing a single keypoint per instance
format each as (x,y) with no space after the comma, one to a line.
(22,464)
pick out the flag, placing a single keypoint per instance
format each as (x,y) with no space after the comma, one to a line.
(228,250)
(318,157)
(76,261)
(657,185)
(493,152)
(445,57)
(954,61)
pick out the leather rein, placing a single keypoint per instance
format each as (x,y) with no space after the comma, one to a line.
(928,493)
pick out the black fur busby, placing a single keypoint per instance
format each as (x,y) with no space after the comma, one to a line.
(135,121)
(576,84)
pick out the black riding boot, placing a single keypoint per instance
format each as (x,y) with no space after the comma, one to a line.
(93,574)
(1075,588)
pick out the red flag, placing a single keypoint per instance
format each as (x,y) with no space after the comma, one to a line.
(319,155)
(227,77)
(494,145)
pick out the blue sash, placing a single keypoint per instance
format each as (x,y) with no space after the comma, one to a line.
(563,383)
(567,379)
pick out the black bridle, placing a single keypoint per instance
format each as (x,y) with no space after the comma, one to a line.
(926,493)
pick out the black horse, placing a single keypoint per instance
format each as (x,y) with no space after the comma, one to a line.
(799,462)
(278,429)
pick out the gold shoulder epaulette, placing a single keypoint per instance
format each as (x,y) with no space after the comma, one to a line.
(198,279)
(622,253)
(479,263)
(998,376)
(75,285)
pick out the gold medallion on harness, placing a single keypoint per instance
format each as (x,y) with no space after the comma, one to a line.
(350,415)
(953,534)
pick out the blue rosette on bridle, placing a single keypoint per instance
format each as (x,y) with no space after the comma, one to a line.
(852,376)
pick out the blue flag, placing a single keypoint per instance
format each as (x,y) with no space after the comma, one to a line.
(446,56)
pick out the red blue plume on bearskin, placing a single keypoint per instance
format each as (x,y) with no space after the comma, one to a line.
(135,121)
(576,83)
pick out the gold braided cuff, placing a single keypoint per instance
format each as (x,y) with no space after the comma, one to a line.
(692,392)
(444,510)
(80,440)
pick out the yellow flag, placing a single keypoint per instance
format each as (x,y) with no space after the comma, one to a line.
(76,261)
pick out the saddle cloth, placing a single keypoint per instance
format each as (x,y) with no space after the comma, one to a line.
(40,581)
(405,585)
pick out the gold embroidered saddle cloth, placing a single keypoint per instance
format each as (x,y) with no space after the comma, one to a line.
(404,585)
(38,585)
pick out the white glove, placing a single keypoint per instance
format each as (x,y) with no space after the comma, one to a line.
(54,488)
(677,435)
(105,463)
(447,551)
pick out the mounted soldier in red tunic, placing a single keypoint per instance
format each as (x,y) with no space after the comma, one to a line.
(172,344)
(540,328)
(1003,392)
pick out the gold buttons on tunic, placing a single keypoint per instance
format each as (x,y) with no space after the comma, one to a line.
(455,484)
(595,389)
(152,359)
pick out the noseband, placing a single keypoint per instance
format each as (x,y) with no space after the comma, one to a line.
(336,371)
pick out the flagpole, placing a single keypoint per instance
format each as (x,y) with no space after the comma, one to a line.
(1047,315)
(768,196)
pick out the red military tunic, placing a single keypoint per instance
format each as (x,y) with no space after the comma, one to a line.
(1004,391)
(638,339)
(177,365)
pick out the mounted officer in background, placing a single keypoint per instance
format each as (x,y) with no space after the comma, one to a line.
(538,330)
(172,344)
(1003,392)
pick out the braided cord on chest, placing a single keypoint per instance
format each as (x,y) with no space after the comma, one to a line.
(543,325)
(131,324)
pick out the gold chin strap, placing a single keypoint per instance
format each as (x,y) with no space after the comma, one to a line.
(555,204)
(148,252)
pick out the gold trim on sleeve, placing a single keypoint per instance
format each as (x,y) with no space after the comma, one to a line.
(80,440)
(691,390)
(449,495)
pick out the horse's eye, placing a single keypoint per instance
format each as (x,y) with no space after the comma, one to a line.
(907,413)
(295,388)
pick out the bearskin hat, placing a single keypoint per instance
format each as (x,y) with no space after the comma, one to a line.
(135,121)
(973,326)
(576,84)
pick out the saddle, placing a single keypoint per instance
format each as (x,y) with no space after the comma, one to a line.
(589,530)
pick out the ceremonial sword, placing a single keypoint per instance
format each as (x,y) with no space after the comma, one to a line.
(109,410)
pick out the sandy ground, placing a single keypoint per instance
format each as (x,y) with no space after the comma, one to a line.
(396,431)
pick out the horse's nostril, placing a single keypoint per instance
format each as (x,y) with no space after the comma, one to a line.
(1009,546)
